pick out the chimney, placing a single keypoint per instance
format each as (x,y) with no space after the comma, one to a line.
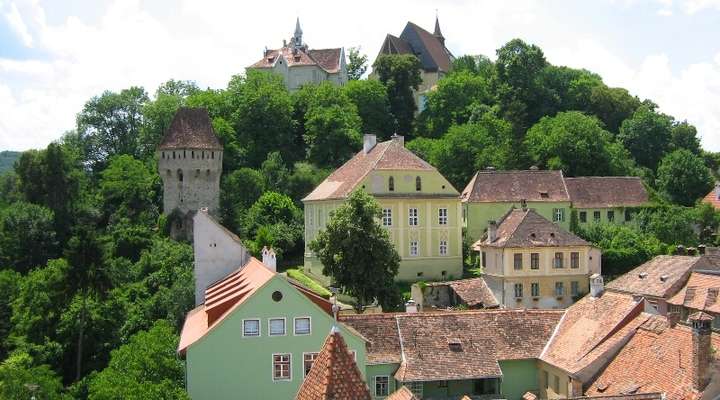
(269,259)
(492,231)
(534,168)
(369,142)
(717,191)
(597,285)
(411,307)
(701,349)
(673,318)
(397,138)
(701,249)
(680,250)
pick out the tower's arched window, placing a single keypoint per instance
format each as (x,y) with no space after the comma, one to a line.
(391,184)
(192,153)
(212,155)
(173,155)
(180,175)
(418,184)
(163,154)
(184,153)
(203,155)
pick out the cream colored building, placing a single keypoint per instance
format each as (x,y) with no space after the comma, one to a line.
(530,262)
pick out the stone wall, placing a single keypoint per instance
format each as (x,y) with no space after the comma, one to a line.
(200,184)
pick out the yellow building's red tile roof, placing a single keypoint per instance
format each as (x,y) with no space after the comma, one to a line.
(713,198)
(606,191)
(527,228)
(699,293)
(334,374)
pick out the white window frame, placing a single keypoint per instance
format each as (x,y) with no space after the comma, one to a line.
(284,320)
(533,292)
(516,257)
(558,214)
(414,248)
(518,290)
(535,256)
(387,216)
(413,217)
(574,256)
(561,264)
(259,325)
(289,371)
(443,247)
(561,286)
(309,332)
(442,216)
(574,288)
(314,355)
(387,386)
(415,387)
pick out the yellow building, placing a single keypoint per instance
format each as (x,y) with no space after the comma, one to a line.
(530,262)
(420,208)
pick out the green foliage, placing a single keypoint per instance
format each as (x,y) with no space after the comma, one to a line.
(304,178)
(373,107)
(7,160)
(357,64)
(20,379)
(647,135)
(274,172)
(672,225)
(623,246)
(275,221)
(238,191)
(144,368)
(128,188)
(683,177)
(270,208)
(9,281)
(298,275)
(27,236)
(401,75)
(476,65)
(684,136)
(357,253)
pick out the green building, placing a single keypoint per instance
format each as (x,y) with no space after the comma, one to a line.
(602,199)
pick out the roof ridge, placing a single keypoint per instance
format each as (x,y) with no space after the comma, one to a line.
(567,192)
(512,234)
(374,164)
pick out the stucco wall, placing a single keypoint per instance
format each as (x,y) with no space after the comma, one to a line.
(618,218)
(519,377)
(477,215)
(381,370)
(200,187)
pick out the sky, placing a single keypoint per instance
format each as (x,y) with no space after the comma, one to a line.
(55,55)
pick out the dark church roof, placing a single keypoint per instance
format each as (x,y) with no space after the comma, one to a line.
(190,129)
(428,47)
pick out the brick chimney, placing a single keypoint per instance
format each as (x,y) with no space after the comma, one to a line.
(492,231)
(369,142)
(701,349)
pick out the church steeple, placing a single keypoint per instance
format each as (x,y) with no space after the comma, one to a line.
(437,33)
(297,36)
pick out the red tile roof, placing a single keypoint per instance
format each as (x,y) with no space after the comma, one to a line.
(190,129)
(713,198)
(327,59)
(638,396)
(657,359)
(663,276)
(334,374)
(527,228)
(474,292)
(590,330)
(699,293)
(402,394)
(490,186)
(606,191)
(381,332)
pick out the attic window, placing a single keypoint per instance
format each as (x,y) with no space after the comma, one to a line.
(455,345)
(552,234)
(601,387)
(643,275)
(297,57)
(544,195)
(532,235)
(663,278)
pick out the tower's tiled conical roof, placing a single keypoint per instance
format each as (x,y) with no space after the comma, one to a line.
(334,374)
(190,129)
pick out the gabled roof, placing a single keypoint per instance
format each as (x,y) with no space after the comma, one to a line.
(527,228)
(472,291)
(334,374)
(190,129)
(402,394)
(663,276)
(699,293)
(491,186)
(327,59)
(388,155)
(427,47)
(381,332)
(606,191)
(658,358)
(590,330)
(713,198)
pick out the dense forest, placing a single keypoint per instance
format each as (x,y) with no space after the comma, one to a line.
(93,290)
(7,160)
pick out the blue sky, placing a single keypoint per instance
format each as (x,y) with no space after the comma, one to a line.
(55,55)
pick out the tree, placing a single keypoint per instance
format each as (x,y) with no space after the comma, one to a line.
(27,236)
(684,136)
(373,107)
(21,379)
(9,281)
(304,178)
(110,125)
(358,64)
(157,116)
(271,208)
(647,135)
(238,191)
(476,65)
(611,105)
(144,368)
(275,173)
(357,253)
(129,188)
(623,246)
(572,142)
(672,225)
(401,76)
(683,177)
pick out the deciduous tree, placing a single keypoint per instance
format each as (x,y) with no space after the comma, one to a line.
(683,177)
(401,76)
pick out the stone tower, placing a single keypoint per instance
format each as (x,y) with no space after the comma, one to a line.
(190,165)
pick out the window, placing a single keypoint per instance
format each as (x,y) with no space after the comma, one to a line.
(583,216)
(574,259)
(387,216)
(251,327)
(535,289)
(382,386)
(418,184)
(391,184)
(574,288)
(443,247)
(628,214)
(416,388)
(302,326)
(558,260)
(558,214)
(276,326)
(484,259)
(546,380)
(281,367)
(596,216)
(443,384)
(611,216)
(518,290)
(559,288)
(556,385)
(308,360)
(180,175)
(413,248)
(442,216)
(413,217)
(517,260)
(534,260)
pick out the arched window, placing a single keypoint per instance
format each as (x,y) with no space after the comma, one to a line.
(391,184)
(184,153)
(192,153)
(418,184)
(203,155)
(173,155)
(212,155)
(180,175)
(163,154)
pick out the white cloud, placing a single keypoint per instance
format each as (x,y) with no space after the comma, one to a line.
(15,20)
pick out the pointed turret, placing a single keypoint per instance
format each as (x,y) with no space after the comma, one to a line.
(437,33)
(297,36)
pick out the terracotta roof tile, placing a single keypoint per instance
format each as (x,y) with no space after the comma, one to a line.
(606,191)
(657,359)
(402,394)
(382,334)
(713,198)
(638,396)
(334,374)
(514,186)
(663,276)
(589,329)
(327,59)
(190,129)
(473,291)
(527,228)
(699,293)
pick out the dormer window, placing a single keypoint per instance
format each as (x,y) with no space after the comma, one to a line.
(544,195)
(391,184)
(663,278)
(643,275)
(418,184)
(455,345)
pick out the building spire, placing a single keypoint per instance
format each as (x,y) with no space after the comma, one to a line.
(437,33)
(297,36)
